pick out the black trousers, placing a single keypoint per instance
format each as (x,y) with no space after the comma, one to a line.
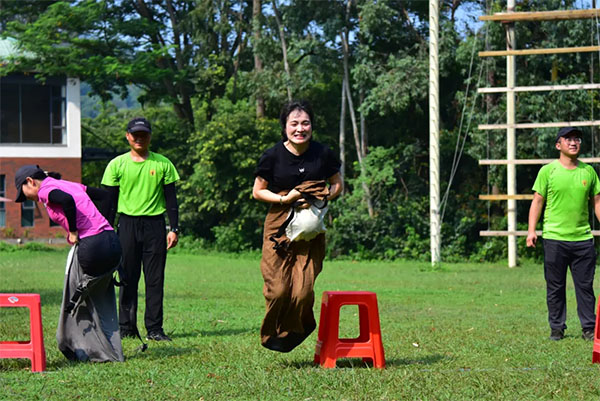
(580,256)
(143,239)
(100,253)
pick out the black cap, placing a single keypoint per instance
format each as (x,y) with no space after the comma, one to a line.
(564,131)
(139,124)
(21,175)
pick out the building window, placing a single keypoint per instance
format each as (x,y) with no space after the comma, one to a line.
(2,195)
(32,112)
(27,209)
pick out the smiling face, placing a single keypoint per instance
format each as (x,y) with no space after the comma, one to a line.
(569,145)
(139,141)
(298,127)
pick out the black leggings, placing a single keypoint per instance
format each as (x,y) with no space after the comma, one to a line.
(100,253)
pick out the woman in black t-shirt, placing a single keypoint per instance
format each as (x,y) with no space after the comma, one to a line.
(294,164)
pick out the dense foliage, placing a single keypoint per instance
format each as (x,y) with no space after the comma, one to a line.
(212,75)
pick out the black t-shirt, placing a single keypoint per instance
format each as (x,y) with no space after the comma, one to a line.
(284,171)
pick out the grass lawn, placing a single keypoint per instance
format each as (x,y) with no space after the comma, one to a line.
(468,331)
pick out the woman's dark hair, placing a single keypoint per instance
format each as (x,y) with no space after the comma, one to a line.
(287,109)
(44,174)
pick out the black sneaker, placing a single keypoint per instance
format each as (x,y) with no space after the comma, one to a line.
(587,334)
(157,335)
(557,334)
(127,333)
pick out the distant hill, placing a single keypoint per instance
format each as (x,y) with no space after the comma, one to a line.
(90,105)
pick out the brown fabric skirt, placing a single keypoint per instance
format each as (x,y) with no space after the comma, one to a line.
(289,274)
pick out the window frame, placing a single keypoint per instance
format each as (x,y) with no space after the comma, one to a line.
(2,204)
(55,103)
(28,206)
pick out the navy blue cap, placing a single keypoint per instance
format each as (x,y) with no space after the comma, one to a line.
(139,124)
(564,131)
(21,175)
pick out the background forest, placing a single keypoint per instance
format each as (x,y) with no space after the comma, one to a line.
(212,75)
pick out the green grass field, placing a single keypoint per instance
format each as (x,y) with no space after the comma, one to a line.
(467,331)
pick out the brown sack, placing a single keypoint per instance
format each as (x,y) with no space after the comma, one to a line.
(289,273)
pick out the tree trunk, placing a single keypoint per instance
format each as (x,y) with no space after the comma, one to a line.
(343,133)
(363,127)
(363,171)
(286,65)
(258,66)
(182,107)
(241,44)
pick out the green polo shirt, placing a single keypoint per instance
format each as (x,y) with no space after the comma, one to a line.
(567,194)
(140,183)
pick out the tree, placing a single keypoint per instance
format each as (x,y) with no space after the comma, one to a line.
(174,50)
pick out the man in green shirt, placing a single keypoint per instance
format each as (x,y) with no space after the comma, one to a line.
(142,184)
(567,186)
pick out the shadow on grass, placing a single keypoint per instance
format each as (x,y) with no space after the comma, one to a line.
(211,333)
(155,352)
(359,363)
(227,332)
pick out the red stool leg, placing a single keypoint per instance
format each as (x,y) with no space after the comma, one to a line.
(322,329)
(365,328)
(331,332)
(375,330)
(596,351)
(38,362)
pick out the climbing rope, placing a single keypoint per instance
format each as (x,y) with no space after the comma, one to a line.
(460,144)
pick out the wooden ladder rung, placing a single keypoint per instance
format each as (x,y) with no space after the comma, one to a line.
(493,162)
(504,233)
(525,52)
(501,197)
(541,88)
(541,125)
(519,233)
(542,15)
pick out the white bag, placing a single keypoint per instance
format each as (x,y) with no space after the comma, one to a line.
(306,223)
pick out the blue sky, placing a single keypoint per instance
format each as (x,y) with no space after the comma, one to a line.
(467,15)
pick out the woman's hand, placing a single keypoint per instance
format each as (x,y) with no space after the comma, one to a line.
(73,237)
(262,193)
(292,197)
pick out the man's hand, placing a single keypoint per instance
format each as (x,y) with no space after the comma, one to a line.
(535,210)
(172,239)
(531,239)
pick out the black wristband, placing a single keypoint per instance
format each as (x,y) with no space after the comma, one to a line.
(175,230)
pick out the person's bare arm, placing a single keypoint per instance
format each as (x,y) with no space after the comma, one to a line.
(596,200)
(336,185)
(535,210)
(261,193)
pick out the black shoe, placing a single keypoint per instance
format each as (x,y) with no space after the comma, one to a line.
(587,334)
(127,333)
(557,334)
(157,335)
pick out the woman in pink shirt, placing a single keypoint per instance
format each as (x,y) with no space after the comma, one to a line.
(70,205)
(89,297)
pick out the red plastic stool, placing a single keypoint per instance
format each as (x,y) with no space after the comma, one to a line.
(367,345)
(596,352)
(34,348)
